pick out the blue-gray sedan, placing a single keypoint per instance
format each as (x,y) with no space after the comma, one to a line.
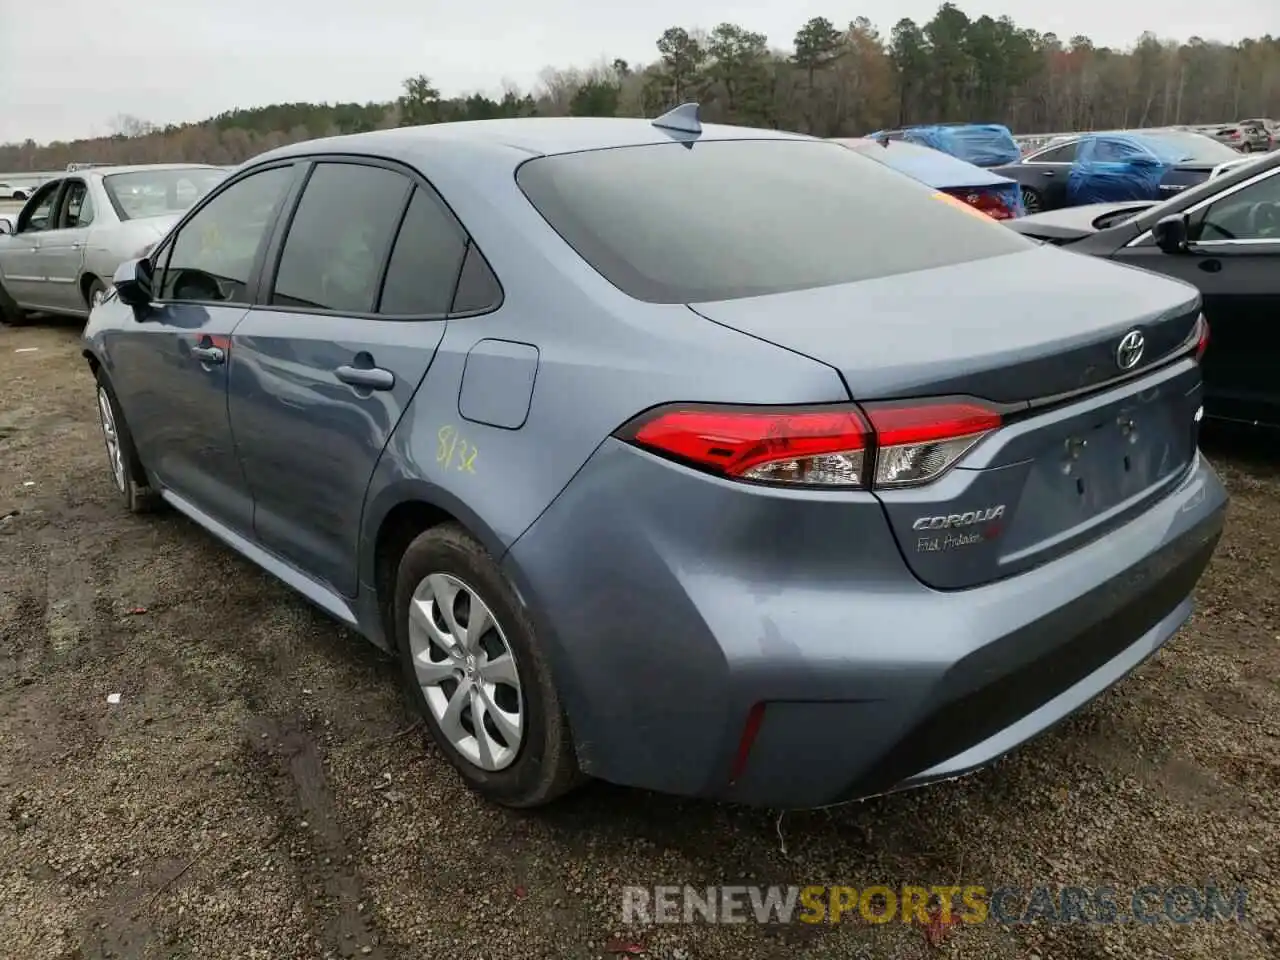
(716,461)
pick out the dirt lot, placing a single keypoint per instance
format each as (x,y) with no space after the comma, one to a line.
(259,792)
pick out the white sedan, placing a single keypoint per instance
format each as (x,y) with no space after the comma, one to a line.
(59,254)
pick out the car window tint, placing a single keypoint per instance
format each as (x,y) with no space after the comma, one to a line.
(212,257)
(424,266)
(1063,154)
(1251,213)
(721,219)
(338,241)
(36,217)
(478,288)
(77,208)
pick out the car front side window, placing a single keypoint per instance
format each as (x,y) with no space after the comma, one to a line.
(213,255)
(38,217)
(1251,213)
(1063,154)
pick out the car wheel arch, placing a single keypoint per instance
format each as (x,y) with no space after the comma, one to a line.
(86,281)
(400,514)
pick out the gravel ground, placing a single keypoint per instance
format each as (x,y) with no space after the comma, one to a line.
(259,792)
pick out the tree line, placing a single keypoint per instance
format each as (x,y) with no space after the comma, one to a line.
(833,81)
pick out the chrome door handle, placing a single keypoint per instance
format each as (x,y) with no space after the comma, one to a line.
(209,354)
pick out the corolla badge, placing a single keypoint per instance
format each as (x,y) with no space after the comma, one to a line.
(953,520)
(1129,352)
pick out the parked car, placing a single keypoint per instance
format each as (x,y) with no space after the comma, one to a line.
(1224,237)
(10,192)
(1270,127)
(981,144)
(1246,136)
(1044,175)
(60,252)
(561,412)
(983,190)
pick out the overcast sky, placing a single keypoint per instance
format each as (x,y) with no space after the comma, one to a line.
(68,66)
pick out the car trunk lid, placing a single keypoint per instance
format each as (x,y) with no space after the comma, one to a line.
(1084,444)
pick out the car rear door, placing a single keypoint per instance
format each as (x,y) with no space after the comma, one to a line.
(1234,259)
(62,248)
(325,366)
(169,369)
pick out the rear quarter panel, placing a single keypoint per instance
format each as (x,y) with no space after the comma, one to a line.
(602,358)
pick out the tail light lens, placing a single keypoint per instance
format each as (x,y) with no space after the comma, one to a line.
(988,203)
(811,447)
(881,445)
(1202,337)
(916,443)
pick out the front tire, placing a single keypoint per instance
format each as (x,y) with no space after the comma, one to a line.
(10,312)
(473,669)
(127,475)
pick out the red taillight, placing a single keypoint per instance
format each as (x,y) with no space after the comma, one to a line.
(988,203)
(894,444)
(1202,340)
(918,442)
(773,445)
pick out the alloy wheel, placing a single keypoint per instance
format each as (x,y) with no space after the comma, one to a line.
(467,672)
(115,455)
(1030,202)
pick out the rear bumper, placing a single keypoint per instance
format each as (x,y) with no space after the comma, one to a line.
(671,603)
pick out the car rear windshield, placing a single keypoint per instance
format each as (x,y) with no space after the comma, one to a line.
(155,193)
(720,220)
(1194,147)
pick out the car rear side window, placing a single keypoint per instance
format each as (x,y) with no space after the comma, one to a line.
(720,220)
(425,262)
(338,241)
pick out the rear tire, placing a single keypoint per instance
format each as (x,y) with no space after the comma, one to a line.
(127,475)
(94,293)
(522,754)
(1032,201)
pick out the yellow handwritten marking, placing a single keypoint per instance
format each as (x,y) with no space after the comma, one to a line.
(454,451)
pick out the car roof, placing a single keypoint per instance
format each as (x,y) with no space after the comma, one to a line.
(132,168)
(519,139)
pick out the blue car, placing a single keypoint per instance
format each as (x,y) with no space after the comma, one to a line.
(716,461)
(996,196)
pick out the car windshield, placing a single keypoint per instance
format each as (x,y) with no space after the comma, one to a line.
(717,220)
(155,193)
(1194,147)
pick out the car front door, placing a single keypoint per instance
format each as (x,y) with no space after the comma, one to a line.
(1045,174)
(62,248)
(1234,258)
(21,265)
(324,368)
(170,368)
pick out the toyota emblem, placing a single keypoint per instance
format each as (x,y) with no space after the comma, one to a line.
(1130,350)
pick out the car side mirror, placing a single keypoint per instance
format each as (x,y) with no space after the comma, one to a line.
(133,282)
(6,226)
(1170,233)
